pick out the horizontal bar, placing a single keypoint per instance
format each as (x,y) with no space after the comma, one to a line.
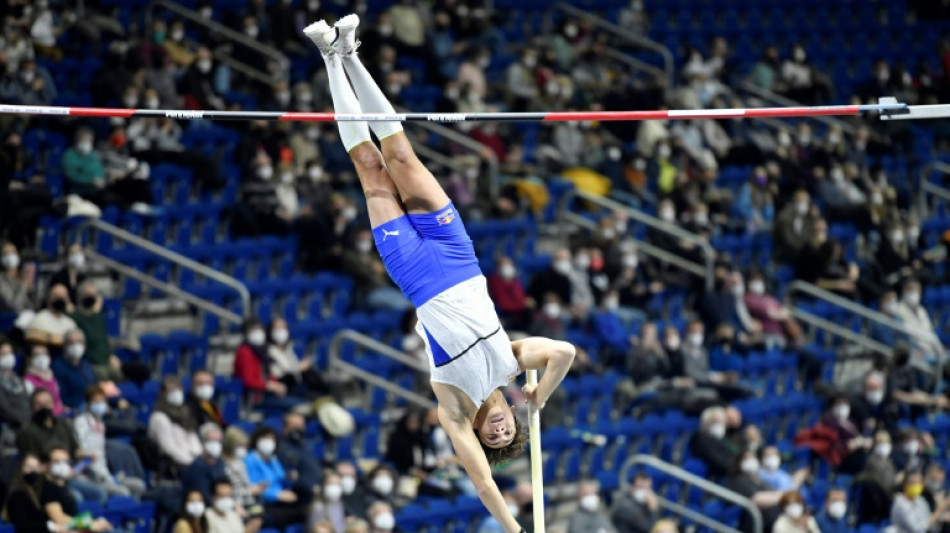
(685,114)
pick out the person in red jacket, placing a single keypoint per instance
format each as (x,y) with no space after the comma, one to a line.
(504,287)
(251,366)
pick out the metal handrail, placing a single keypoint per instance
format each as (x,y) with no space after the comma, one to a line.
(269,51)
(617,55)
(696,481)
(624,34)
(925,187)
(174,257)
(838,330)
(337,363)
(709,254)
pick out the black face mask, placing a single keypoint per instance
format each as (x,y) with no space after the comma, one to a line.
(43,416)
(88,302)
(58,305)
(295,435)
(33,478)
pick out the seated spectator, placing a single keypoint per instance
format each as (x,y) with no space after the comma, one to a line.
(14,398)
(843,199)
(910,512)
(37,500)
(637,509)
(910,452)
(726,306)
(191,518)
(295,454)
(634,283)
(90,316)
(91,438)
(590,515)
(16,283)
(692,361)
(775,477)
(263,466)
(328,504)
(298,375)
(709,445)
(836,439)
(554,279)
(744,479)
(890,306)
(793,227)
(879,467)
(548,320)
(233,452)
(914,317)
(82,167)
(356,498)
(779,328)
(172,427)
(39,376)
(906,381)
(251,366)
(873,409)
(754,206)
(51,324)
(822,262)
(380,515)
(411,452)
(935,492)
(201,399)
(223,516)
(504,287)
(373,285)
(833,517)
(608,325)
(793,518)
(73,273)
(73,373)
(207,467)
(382,484)
(490,524)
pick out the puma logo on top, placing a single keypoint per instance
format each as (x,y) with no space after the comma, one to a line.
(387,234)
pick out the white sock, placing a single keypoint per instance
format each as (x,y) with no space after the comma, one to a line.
(345,102)
(371,97)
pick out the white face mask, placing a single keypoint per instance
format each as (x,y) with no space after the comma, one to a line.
(204,65)
(842,412)
(664,151)
(195,509)
(60,470)
(265,172)
(204,392)
(251,31)
(672,343)
(611,304)
(315,173)
(7,361)
(256,337)
(771,462)
(837,510)
(348,484)
(224,505)
(152,103)
(280,336)
(10,261)
(590,502)
(84,147)
(177,35)
(562,266)
(364,246)
(750,466)
(77,261)
(640,495)
(667,214)
(266,447)
(513,508)
(801,208)
(911,447)
(794,510)
(874,397)
(883,449)
(385,521)
(383,484)
(630,261)
(696,339)
(506,271)
(99,409)
(717,430)
(175,397)
(213,448)
(891,307)
(552,309)
(287,178)
(332,493)
(757,287)
(40,362)
(912,298)
(240,452)
(75,351)
(582,262)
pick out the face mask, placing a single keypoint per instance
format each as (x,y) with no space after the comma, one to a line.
(251,31)
(891,307)
(207,12)
(315,173)
(384,521)
(562,266)
(912,298)
(7,361)
(696,339)
(363,246)
(507,271)
(385,29)
(213,448)
(484,62)
(757,287)
(640,495)
(332,493)
(471,172)
(513,509)
(204,392)
(529,61)
(874,397)
(280,336)
(738,289)
(265,172)
(883,449)
(131,101)
(630,261)
(801,208)
(664,151)
(313,5)
(10,261)
(842,412)
(266,447)
(240,452)
(348,484)
(175,397)
(152,103)
(673,343)
(58,305)
(348,213)
(794,510)
(667,214)
(701,218)
(40,362)
(287,178)
(256,337)
(283,97)
(837,510)
(750,466)
(552,310)
(204,65)
(42,416)
(611,304)
(75,351)
(912,447)
(84,147)
(934,485)
(60,470)
(28,76)
(589,502)
(88,302)
(914,490)
(771,462)
(177,35)
(305,97)
(312,133)
(195,509)
(582,262)
(717,430)
(32,478)
(383,484)
(99,409)
(897,237)
(224,505)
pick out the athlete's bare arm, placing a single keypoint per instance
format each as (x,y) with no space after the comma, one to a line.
(555,357)
(458,427)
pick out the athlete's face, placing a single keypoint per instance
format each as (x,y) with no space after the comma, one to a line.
(497,428)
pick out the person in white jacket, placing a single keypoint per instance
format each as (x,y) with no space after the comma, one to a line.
(172,426)
(91,436)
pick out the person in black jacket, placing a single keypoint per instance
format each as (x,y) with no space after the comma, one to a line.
(636,510)
(709,443)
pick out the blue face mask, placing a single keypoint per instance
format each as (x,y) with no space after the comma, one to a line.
(98,408)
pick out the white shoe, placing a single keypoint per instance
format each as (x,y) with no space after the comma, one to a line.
(346,43)
(322,35)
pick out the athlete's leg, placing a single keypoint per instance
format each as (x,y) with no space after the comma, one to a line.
(382,197)
(420,191)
